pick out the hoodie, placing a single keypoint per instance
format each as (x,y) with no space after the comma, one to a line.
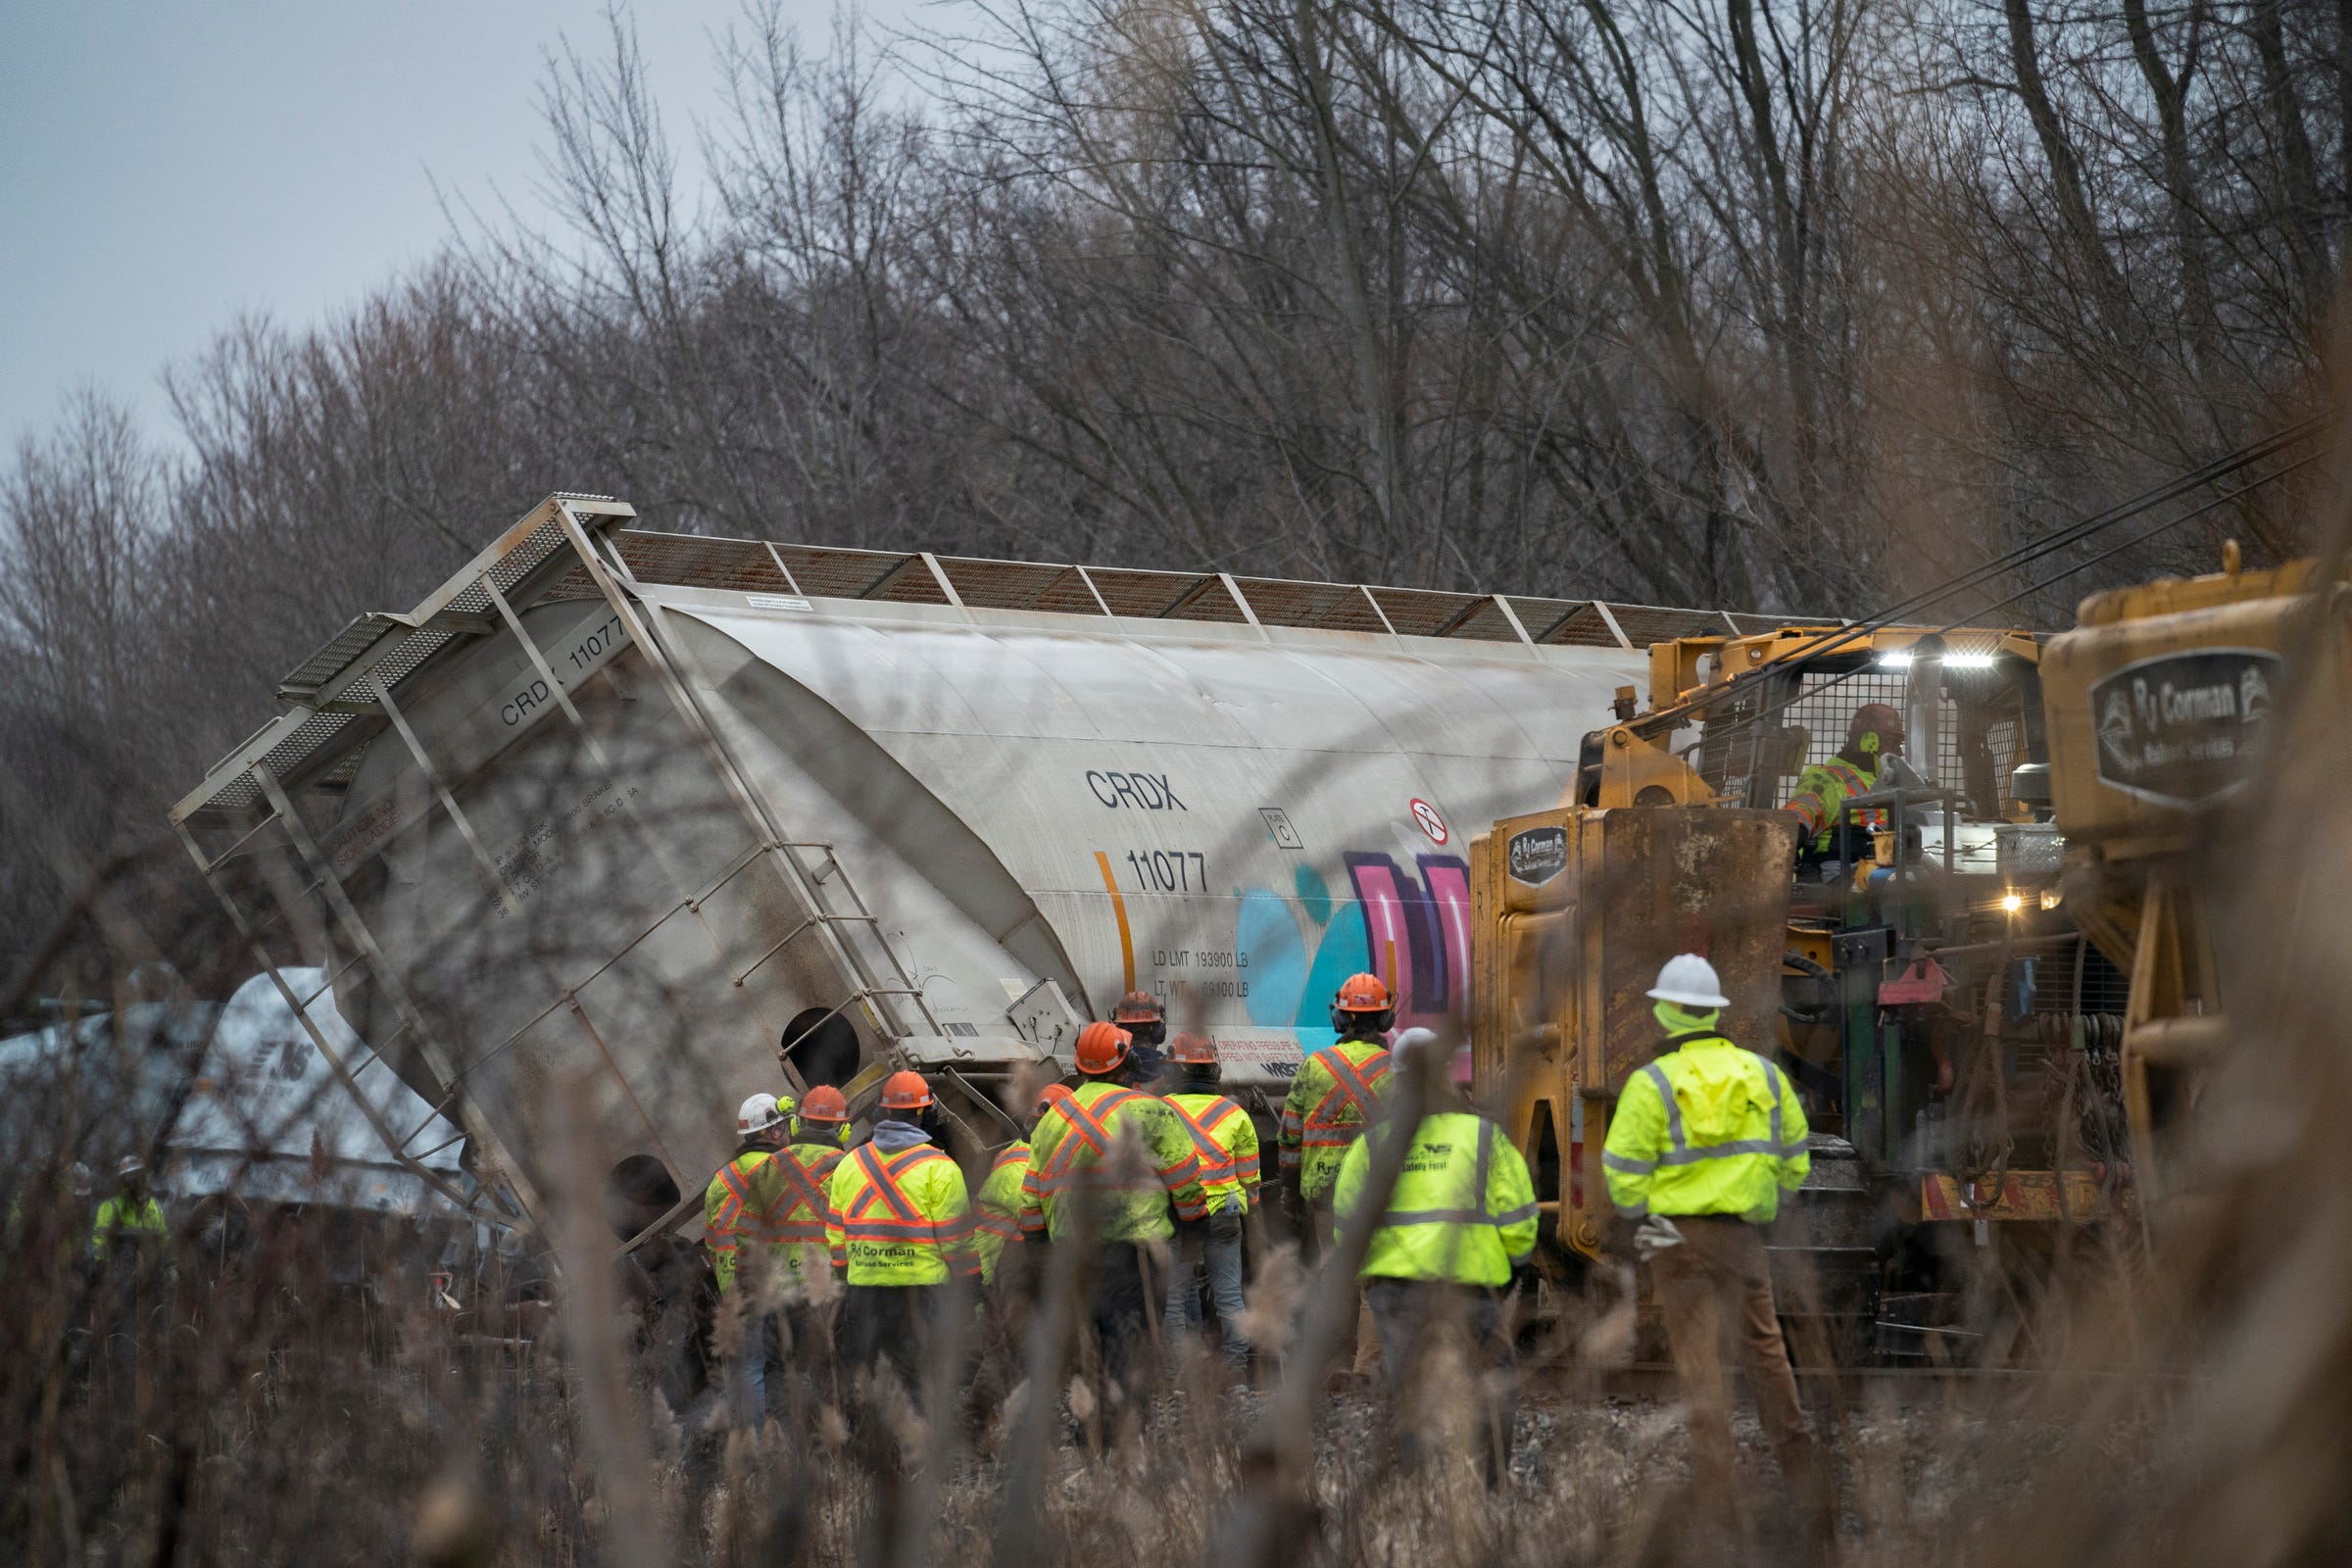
(891,1137)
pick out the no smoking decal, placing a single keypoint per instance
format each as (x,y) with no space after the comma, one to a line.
(1431,822)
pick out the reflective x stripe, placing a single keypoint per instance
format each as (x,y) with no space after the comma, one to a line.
(907,1223)
(737,1200)
(1853,783)
(993,1221)
(739,1217)
(1242,1165)
(1346,1079)
(803,1193)
(1087,1127)
(880,1186)
(1215,1163)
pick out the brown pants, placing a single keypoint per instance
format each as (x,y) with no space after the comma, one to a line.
(1365,1363)
(1716,1279)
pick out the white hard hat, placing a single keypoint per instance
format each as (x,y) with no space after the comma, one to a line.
(129,1165)
(1409,1040)
(757,1114)
(1689,980)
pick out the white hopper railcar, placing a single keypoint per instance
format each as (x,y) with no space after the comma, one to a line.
(591,830)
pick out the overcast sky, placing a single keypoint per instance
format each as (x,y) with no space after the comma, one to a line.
(166,165)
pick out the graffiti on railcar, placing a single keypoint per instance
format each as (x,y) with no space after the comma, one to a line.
(1409,925)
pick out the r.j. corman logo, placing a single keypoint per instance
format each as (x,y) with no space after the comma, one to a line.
(1539,854)
(2177,729)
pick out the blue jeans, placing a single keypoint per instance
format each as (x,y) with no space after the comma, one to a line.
(761,1360)
(1195,1245)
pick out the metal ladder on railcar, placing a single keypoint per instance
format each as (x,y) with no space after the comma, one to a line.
(828,898)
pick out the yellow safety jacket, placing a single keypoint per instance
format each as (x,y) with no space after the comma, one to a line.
(899,1218)
(1127,1150)
(138,1219)
(1226,1142)
(745,1206)
(1822,789)
(1463,1210)
(1333,1099)
(1706,1129)
(998,1219)
(803,1224)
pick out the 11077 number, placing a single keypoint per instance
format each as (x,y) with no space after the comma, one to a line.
(606,636)
(1169,870)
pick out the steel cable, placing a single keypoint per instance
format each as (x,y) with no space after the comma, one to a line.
(2073,533)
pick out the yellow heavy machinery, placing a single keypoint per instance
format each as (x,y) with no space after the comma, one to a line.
(1915,972)
(2159,702)
(1991,987)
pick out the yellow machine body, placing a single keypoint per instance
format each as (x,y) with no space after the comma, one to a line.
(1668,844)
(1572,907)
(2159,711)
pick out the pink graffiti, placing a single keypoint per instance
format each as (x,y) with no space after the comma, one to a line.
(1418,932)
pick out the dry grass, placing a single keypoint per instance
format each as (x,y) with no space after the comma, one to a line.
(275,1418)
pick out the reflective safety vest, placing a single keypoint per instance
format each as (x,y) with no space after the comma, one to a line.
(1706,1129)
(1822,790)
(998,1221)
(807,1168)
(1333,1099)
(1226,1142)
(899,1218)
(1127,1151)
(745,1205)
(810,1173)
(1463,1210)
(118,1216)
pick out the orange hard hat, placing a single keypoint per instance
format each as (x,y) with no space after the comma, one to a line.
(1363,993)
(1050,1095)
(825,1102)
(904,1091)
(1138,1007)
(1193,1050)
(1101,1047)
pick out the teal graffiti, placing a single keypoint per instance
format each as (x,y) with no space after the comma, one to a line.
(1287,987)
(1265,930)
(1313,897)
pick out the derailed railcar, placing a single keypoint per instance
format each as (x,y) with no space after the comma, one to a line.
(595,827)
(257,1113)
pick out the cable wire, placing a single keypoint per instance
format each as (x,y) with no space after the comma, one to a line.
(2073,533)
(2032,551)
